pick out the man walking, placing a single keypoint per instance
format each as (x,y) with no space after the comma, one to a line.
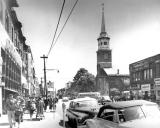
(10,106)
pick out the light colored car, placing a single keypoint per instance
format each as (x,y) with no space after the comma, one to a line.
(65,99)
(81,109)
(127,114)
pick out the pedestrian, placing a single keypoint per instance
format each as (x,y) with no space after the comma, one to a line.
(10,106)
(45,104)
(31,107)
(40,106)
(50,103)
(19,110)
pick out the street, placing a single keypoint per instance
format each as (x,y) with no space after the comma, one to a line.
(52,119)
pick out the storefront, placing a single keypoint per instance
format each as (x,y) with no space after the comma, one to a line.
(157,88)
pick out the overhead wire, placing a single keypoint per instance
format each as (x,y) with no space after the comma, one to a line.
(56,29)
(65,22)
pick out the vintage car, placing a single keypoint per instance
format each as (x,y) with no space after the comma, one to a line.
(81,109)
(127,114)
(104,99)
(65,99)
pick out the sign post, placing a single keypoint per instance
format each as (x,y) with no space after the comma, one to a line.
(63,108)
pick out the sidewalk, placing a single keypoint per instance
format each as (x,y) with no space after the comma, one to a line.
(4,120)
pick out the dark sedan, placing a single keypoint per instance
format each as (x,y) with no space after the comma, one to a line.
(81,109)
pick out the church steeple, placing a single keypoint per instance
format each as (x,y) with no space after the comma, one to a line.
(103,40)
(103,29)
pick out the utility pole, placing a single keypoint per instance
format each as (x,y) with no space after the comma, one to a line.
(43,93)
(45,86)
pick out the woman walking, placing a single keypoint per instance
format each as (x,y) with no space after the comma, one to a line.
(19,110)
(31,107)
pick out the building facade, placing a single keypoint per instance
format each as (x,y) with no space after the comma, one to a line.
(13,54)
(145,76)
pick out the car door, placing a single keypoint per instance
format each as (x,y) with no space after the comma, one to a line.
(107,119)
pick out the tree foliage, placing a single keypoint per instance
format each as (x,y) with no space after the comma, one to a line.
(83,81)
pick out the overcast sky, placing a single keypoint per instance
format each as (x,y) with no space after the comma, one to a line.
(133,26)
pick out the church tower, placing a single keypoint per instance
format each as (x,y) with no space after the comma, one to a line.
(104,58)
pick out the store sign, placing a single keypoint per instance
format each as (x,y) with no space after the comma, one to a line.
(145,87)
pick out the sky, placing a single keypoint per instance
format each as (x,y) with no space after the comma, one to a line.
(133,26)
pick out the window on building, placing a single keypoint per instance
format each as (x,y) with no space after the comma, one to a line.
(12,34)
(7,22)
(157,70)
(145,74)
(1,10)
(105,43)
(158,92)
(148,75)
(151,73)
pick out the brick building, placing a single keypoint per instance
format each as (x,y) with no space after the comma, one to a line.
(145,76)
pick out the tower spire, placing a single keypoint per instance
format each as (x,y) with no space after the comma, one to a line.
(103,29)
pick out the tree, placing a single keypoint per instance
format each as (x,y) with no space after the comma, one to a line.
(84,81)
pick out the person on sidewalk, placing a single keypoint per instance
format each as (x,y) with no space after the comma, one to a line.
(50,104)
(10,106)
(40,106)
(31,107)
(19,110)
(45,103)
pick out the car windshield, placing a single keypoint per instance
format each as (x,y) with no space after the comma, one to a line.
(87,103)
(131,113)
(151,111)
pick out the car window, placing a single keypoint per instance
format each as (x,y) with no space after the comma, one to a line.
(130,113)
(107,114)
(151,110)
(87,103)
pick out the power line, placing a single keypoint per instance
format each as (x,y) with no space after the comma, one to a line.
(65,23)
(56,28)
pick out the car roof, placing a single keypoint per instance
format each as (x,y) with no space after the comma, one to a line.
(125,104)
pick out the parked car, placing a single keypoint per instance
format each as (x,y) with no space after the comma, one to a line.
(81,109)
(65,99)
(127,114)
(104,99)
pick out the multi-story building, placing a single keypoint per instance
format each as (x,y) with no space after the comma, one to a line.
(14,54)
(145,76)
